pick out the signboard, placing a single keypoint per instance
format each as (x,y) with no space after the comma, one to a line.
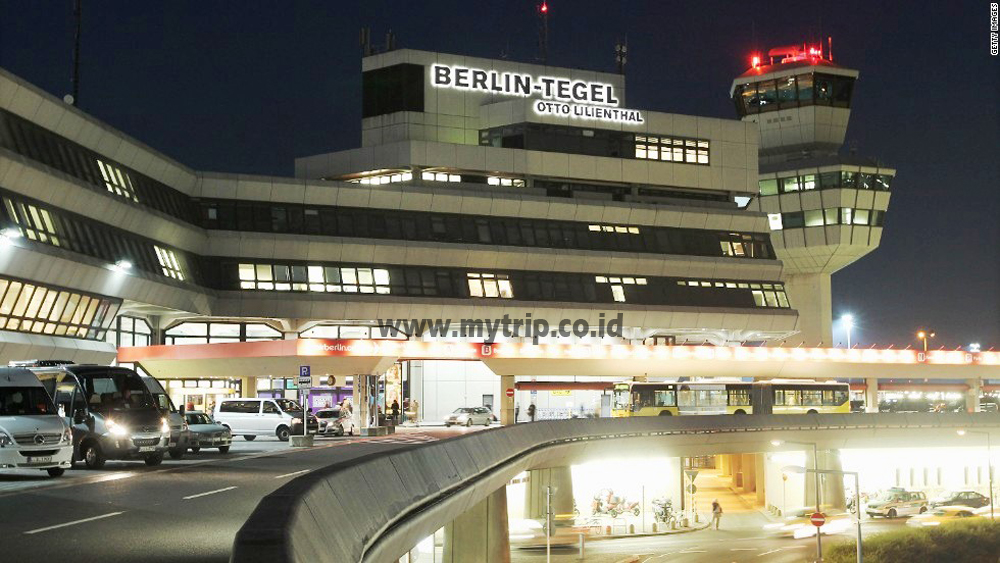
(560,392)
(560,96)
(691,488)
(509,393)
(691,474)
(305,376)
(817,519)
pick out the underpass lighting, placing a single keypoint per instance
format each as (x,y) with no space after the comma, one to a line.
(975,347)
(989,462)
(776,443)
(122,266)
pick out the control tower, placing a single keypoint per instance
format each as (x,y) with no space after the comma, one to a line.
(825,205)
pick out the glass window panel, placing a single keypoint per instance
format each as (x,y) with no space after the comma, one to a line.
(224,329)
(618,293)
(365,276)
(381,277)
(774,221)
(790,184)
(860,217)
(831,215)
(264,272)
(349,276)
(768,187)
(22,300)
(805,88)
(475,288)
(814,218)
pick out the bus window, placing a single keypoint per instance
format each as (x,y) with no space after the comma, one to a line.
(620,398)
(786,397)
(702,398)
(812,397)
(739,397)
(664,398)
(834,397)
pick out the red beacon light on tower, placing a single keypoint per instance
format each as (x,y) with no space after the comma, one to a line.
(755,61)
(544,8)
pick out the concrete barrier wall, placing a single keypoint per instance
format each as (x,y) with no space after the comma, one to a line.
(379,507)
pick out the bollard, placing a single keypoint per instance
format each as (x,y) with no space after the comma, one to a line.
(655,528)
(607,530)
(583,547)
(631,528)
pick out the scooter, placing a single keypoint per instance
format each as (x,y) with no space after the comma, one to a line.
(663,510)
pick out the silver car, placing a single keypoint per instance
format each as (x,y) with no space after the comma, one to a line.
(335,422)
(467,416)
(206,432)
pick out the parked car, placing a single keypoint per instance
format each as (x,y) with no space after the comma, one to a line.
(252,417)
(467,416)
(335,422)
(972,499)
(111,411)
(32,434)
(180,435)
(206,433)
(898,502)
(798,525)
(942,514)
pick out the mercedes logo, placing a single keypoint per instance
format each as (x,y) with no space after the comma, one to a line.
(39,439)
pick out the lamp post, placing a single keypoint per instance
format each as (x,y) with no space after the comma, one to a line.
(857,498)
(924,336)
(848,322)
(989,462)
(819,541)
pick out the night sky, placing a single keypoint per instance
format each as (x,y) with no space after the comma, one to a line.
(248,86)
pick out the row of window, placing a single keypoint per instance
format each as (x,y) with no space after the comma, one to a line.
(67,230)
(473,229)
(828,216)
(792,92)
(200,332)
(98,172)
(129,331)
(29,307)
(596,142)
(826,181)
(671,149)
(420,281)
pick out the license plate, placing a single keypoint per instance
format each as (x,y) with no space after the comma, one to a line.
(147,448)
(41,459)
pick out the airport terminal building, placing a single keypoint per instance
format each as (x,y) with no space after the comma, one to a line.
(482,190)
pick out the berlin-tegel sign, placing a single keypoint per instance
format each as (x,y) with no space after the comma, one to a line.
(560,96)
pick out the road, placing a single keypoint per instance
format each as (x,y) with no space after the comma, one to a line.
(182,511)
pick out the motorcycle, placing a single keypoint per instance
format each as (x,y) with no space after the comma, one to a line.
(607,503)
(663,510)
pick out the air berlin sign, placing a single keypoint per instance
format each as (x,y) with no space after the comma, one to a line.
(559,96)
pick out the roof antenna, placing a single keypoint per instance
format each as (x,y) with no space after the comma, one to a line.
(366,41)
(543,31)
(829,47)
(73,99)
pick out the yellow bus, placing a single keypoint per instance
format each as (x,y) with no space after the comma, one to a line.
(632,398)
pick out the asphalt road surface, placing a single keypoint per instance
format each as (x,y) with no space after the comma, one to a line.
(180,512)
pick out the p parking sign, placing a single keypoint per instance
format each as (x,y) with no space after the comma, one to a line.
(305,376)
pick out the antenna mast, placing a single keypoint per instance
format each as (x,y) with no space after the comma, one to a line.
(543,31)
(78,14)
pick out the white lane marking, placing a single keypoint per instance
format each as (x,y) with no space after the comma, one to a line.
(657,556)
(209,493)
(693,551)
(769,552)
(293,473)
(742,549)
(74,522)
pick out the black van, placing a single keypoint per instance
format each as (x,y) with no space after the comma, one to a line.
(111,411)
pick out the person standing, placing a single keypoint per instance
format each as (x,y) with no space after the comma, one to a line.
(716,513)
(531,412)
(394,411)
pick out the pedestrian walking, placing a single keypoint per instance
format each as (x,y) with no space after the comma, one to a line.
(531,412)
(716,513)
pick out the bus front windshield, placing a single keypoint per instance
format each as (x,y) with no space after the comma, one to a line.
(621,398)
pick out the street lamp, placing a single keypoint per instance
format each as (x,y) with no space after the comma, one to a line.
(925,335)
(989,462)
(776,443)
(857,497)
(848,322)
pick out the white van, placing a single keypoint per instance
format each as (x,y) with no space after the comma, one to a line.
(33,435)
(252,417)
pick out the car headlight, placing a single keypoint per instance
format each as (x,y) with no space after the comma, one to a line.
(115,428)
(164,426)
(5,439)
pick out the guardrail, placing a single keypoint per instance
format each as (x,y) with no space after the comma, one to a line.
(379,507)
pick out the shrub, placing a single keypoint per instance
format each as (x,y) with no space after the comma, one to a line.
(965,541)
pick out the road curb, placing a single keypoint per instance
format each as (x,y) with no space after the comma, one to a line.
(706,523)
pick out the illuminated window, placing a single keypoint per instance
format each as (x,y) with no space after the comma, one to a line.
(490,285)
(117,181)
(668,149)
(319,279)
(507,182)
(768,187)
(618,285)
(26,307)
(168,262)
(35,224)
(620,229)
(377,179)
(774,221)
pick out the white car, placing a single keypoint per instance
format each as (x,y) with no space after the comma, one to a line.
(252,417)
(467,416)
(32,434)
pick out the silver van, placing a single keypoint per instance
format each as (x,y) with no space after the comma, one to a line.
(252,417)
(32,434)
